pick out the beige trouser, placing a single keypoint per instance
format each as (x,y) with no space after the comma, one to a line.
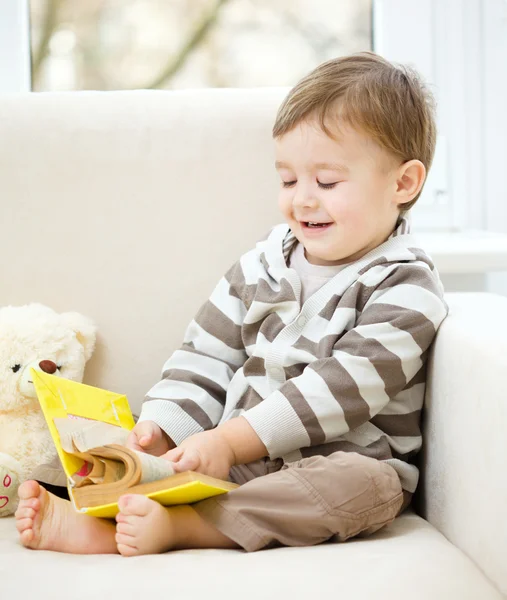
(306,502)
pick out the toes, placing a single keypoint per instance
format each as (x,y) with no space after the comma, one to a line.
(121,517)
(32,503)
(25,512)
(26,537)
(127,550)
(24,524)
(126,544)
(140,524)
(126,540)
(135,505)
(126,528)
(28,490)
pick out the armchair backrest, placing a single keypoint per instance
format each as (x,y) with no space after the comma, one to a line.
(128,207)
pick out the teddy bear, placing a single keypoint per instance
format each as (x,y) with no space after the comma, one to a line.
(33,336)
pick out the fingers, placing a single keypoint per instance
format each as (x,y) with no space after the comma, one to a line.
(186,464)
(132,442)
(148,437)
(143,437)
(174,455)
(146,440)
(183,459)
(188,461)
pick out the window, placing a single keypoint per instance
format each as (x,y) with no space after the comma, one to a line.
(459,47)
(14,46)
(445,41)
(129,44)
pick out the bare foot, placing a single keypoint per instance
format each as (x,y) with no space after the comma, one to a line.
(143,527)
(146,527)
(45,522)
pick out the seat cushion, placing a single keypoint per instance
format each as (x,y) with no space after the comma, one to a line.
(407,559)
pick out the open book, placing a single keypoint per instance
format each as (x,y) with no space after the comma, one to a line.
(89,427)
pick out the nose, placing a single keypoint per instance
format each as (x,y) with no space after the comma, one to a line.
(48,366)
(303,197)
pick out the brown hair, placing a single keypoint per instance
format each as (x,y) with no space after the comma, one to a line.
(388,103)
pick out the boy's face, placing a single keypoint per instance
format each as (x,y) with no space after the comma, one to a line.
(349,184)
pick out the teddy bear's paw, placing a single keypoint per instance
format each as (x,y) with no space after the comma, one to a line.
(9,484)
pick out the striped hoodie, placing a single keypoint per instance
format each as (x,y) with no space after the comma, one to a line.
(345,371)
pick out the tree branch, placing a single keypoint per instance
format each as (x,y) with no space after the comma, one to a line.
(48,27)
(188,46)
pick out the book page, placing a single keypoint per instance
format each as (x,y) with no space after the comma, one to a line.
(64,398)
(154,467)
(98,470)
(82,435)
(114,470)
(78,437)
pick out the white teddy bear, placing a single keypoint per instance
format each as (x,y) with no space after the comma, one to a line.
(33,337)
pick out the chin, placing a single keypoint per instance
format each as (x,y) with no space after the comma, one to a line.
(331,259)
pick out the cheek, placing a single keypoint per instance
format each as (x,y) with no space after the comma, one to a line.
(285,202)
(343,204)
(353,217)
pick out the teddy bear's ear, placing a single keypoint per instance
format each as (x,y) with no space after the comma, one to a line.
(84,329)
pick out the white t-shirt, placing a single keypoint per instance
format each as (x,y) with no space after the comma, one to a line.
(313,277)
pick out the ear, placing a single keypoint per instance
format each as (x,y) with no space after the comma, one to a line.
(409,181)
(84,329)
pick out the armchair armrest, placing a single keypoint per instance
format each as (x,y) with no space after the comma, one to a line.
(464,458)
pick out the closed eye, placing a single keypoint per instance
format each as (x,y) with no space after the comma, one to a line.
(324,186)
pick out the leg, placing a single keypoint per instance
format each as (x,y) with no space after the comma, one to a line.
(146,527)
(308,502)
(45,522)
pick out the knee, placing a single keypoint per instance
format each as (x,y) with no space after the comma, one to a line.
(346,464)
(350,482)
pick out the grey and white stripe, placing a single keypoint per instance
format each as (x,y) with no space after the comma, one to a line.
(345,371)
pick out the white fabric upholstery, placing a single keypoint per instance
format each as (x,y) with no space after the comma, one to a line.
(408,560)
(465,457)
(128,207)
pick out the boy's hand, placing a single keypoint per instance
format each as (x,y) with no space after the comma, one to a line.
(148,437)
(207,452)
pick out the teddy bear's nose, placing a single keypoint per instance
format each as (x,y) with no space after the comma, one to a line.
(48,366)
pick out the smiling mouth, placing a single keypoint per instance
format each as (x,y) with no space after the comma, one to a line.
(313,225)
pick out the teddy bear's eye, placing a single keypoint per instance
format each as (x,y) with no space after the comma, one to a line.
(16,368)
(59,367)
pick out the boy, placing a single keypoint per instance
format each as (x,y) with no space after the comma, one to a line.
(302,378)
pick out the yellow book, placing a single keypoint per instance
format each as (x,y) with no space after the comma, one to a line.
(98,476)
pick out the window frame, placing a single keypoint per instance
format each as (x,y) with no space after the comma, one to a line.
(457,46)
(444,41)
(15,58)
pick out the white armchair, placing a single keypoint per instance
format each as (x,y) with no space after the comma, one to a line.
(464,487)
(128,207)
